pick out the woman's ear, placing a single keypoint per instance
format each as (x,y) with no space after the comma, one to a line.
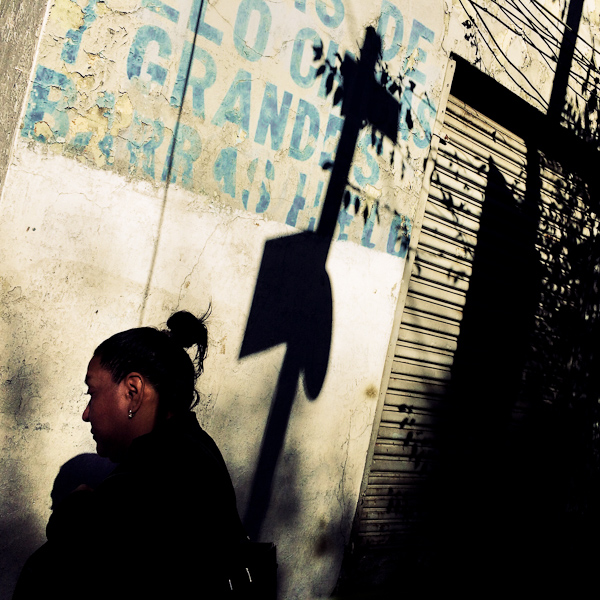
(134,388)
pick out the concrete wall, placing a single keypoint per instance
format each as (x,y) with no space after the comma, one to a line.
(520,46)
(20,26)
(106,224)
(98,236)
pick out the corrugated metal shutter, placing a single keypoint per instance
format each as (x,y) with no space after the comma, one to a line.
(390,512)
(427,339)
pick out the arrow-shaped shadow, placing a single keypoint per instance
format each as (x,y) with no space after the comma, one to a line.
(292,301)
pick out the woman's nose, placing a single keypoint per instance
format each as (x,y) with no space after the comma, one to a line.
(86,413)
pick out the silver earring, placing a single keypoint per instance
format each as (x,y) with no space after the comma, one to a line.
(130,414)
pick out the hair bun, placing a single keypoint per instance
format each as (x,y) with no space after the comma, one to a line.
(187,330)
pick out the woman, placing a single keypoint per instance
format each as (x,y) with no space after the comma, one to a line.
(164,523)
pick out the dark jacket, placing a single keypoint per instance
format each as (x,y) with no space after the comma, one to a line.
(162,525)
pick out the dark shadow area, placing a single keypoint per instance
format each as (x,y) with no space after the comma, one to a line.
(292,302)
(19,526)
(574,147)
(511,502)
(482,513)
(84,469)
(516,493)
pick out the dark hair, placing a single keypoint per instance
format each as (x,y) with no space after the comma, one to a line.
(160,356)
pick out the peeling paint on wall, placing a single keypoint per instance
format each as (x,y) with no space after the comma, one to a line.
(260,119)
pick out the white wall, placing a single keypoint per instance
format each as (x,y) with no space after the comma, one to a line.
(77,275)
(92,241)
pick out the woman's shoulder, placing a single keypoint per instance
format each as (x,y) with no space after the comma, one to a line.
(183,434)
(178,447)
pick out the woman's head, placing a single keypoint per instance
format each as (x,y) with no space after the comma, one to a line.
(143,375)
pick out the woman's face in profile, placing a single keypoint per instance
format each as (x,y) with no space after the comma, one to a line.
(106,411)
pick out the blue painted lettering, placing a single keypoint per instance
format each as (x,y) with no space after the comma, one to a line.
(145,136)
(298,52)
(41,109)
(200,26)
(399,237)
(183,153)
(372,178)
(417,32)
(73,41)
(235,107)
(344,220)
(265,199)
(198,84)
(390,11)
(306,111)
(81,140)
(106,145)
(225,169)
(106,100)
(270,170)
(146,35)
(271,116)
(265,195)
(333,20)
(298,202)
(300,5)
(240,31)
(251,172)
(368,228)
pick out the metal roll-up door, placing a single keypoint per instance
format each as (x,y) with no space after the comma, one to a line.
(475,155)
(430,326)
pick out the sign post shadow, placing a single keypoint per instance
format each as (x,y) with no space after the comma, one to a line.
(293,301)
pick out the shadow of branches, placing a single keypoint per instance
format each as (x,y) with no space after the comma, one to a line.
(511,494)
(387,112)
(520,468)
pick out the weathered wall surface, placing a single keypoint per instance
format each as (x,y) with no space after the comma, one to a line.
(20,26)
(258,128)
(127,199)
(520,44)
(106,223)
